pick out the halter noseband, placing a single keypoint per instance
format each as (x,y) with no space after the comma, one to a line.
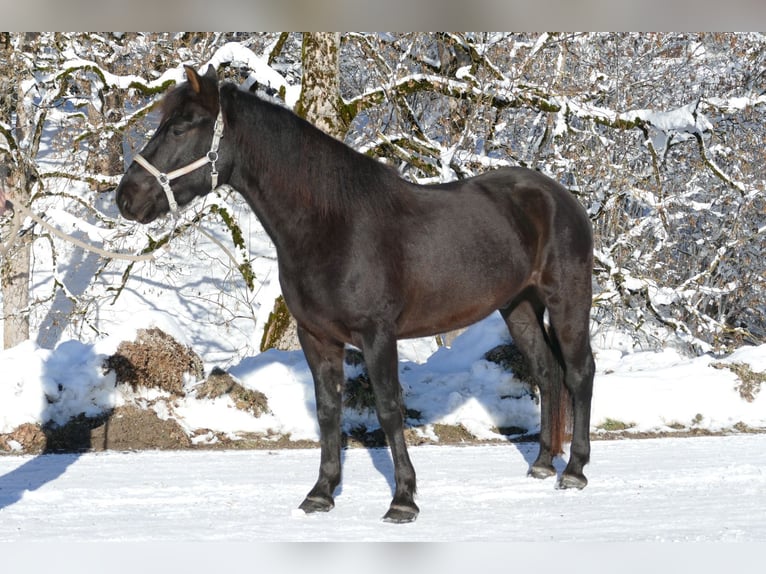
(211,157)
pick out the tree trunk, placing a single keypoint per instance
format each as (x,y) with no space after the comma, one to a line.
(105,155)
(16,265)
(14,273)
(320,103)
(15,284)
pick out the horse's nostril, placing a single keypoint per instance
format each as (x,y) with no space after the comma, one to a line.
(123,201)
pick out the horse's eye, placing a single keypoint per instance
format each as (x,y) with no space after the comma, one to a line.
(180,126)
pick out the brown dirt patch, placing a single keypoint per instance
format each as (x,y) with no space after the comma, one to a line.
(749,381)
(510,358)
(125,428)
(220,383)
(28,436)
(131,428)
(155,360)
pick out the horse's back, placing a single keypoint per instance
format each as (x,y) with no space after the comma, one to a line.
(535,206)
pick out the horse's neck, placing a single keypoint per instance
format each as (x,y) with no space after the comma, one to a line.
(289,230)
(284,225)
(267,189)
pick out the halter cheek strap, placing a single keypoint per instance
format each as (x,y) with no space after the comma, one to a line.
(211,157)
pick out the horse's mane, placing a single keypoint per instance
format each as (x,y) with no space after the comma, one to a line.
(324,174)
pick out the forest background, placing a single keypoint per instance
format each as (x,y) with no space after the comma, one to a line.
(659,135)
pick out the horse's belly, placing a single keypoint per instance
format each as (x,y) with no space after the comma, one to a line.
(446,293)
(452,307)
(426,326)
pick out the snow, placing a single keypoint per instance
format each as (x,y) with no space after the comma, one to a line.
(174,74)
(680,123)
(685,391)
(679,489)
(737,102)
(648,391)
(238,55)
(693,490)
(670,489)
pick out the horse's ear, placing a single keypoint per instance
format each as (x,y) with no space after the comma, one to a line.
(206,87)
(193,78)
(212,73)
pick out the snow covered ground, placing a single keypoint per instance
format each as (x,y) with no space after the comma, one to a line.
(670,489)
(694,489)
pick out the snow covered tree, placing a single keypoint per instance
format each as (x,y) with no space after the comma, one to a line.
(659,136)
(21,125)
(642,127)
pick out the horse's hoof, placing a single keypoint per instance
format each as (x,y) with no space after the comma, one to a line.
(399,514)
(316,504)
(541,472)
(572,481)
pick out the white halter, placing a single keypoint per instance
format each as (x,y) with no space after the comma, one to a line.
(211,157)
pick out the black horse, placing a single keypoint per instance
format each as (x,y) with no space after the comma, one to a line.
(366,258)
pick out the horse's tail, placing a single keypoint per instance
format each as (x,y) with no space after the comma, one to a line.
(561,411)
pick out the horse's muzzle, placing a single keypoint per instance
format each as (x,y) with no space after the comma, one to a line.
(131,206)
(123,202)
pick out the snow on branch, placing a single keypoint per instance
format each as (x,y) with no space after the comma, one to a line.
(736,103)
(236,55)
(459,89)
(232,53)
(167,78)
(684,122)
(10,141)
(661,127)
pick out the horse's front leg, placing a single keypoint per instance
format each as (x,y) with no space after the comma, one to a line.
(325,360)
(381,358)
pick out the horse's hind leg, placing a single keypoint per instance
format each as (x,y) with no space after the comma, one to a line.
(525,322)
(325,360)
(380,356)
(571,319)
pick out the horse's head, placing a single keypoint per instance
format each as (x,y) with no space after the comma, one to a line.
(180,161)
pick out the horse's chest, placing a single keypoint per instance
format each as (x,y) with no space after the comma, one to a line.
(334,290)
